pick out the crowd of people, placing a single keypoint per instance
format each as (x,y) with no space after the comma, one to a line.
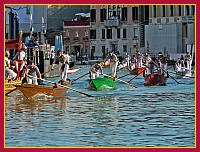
(138,60)
(17,67)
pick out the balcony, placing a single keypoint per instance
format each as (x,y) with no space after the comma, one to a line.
(111,23)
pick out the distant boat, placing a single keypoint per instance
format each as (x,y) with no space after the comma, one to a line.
(99,84)
(29,90)
(183,72)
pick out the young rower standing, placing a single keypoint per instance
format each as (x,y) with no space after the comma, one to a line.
(63,65)
(113,63)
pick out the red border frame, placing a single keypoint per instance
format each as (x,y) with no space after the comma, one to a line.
(93,149)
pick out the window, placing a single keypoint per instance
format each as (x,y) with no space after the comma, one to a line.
(124,33)
(134,32)
(124,14)
(103,34)
(193,10)
(92,34)
(163,11)
(109,33)
(135,13)
(92,52)
(118,33)
(124,48)
(171,10)
(114,11)
(187,7)
(102,15)
(103,48)
(179,10)
(154,10)
(28,9)
(93,15)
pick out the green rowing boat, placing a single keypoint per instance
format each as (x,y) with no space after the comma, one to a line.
(105,83)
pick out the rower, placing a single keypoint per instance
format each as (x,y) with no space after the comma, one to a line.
(96,68)
(188,59)
(32,73)
(113,63)
(63,65)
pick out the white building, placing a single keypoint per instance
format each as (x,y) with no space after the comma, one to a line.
(171,28)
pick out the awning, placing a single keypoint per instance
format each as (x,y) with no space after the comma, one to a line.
(13,44)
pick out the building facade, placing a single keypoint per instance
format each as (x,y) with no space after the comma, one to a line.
(117,28)
(171,28)
(57,14)
(76,37)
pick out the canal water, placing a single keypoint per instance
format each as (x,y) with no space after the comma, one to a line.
(125,117)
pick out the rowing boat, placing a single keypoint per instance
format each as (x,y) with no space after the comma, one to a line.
(29,90)
(137,71)
(154,79)
(105,83)
(183,72)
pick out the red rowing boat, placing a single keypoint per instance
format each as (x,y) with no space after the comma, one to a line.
(155,79)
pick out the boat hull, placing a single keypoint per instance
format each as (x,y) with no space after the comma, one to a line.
(155,79)
(29,90)
(105,83)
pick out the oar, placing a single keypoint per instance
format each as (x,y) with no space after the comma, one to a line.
(80,76)
(168,74)
(68,88)
(11,91)
(135,76)
(171,77)
(47,71)
(63,86)
(123,76)
(121,81)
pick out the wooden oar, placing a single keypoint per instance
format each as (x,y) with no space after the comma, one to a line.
(68,88)
(121,81)
(63,86)
(167,73)
(80,76)
(10,91)
(135,76)
(123,76)
(48,71)
(171,76)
